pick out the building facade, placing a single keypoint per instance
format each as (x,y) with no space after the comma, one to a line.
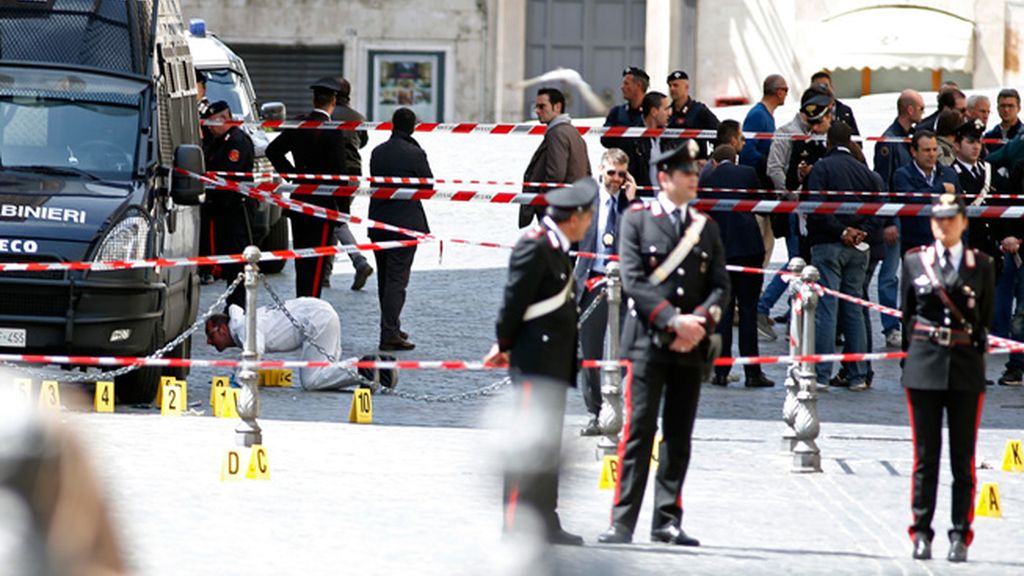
(465,60)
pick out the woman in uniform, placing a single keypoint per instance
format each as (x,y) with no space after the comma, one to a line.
(948,297)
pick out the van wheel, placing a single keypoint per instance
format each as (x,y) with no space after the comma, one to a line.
(138,386)
(277,239)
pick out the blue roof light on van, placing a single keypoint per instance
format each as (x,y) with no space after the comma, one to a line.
(197,27)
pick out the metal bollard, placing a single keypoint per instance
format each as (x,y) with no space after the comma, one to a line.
(806,456)
(796,265)
(248,430)
(610,417)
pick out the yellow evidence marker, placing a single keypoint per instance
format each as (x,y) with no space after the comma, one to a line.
(1013,459)
(275,378)
(164,381)
(171,400)
(259,465)
(609,473)
(24,386)
(184,393)
(656,451)
(231,466)
(216,385)
(49,395)
(104,401)
(226,404)
(988,503)
(361,411)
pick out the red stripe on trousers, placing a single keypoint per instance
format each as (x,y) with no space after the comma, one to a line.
(627,397)
(320,264)
(913,442)
(969,537)
(513,497)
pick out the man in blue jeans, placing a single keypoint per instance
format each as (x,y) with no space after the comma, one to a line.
(839,250)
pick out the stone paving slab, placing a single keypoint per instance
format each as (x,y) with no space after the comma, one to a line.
(383,499)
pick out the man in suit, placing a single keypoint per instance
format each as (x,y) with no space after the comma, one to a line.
(657,109)
(673,272)
(948,294)
(399,157)
(840,247)
(313,152)
(561,156)
(949,98)
(618,189)
(924,174)
(743,247)
(354,141)
(536,333)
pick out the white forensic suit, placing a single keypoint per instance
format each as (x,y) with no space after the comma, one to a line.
(275,333)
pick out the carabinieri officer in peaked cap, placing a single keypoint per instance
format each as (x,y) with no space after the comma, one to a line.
(536,332)
(673,274)
(948,299)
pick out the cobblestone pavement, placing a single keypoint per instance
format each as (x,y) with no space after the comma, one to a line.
(418,491)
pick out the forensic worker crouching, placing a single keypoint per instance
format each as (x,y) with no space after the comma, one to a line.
(948,298)
(318,326)
(673,273)
(536,332)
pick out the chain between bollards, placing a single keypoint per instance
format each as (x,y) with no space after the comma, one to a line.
(248,430)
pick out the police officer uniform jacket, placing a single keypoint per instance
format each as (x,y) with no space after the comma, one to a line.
(232,152)
(540,270)
(700,285)
(936,359)
(891,156)
(983,233)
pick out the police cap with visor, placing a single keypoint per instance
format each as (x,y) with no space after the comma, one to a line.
(580,196)
(682,158)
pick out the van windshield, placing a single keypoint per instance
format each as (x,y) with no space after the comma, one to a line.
(74,123)
(226,85)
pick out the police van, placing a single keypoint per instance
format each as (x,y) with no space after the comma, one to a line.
(97,108)
(228,80)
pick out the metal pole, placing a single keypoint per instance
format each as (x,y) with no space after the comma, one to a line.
(248,431)
(796,315)
(610,417)
(806,456)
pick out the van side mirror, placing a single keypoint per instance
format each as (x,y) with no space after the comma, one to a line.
(273,111)
(187,190)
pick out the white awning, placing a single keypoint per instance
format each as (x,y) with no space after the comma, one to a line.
(895,37)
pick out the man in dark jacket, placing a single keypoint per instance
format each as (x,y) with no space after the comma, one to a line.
(402,157)
(743,247)
(656,110)
(840,112)
(313,152)
(635,83)
(354,141)
(536,333)
(618,190)
(1008,107)
(688,113)
(924,174)
(561,156)
(839,250)
(227,149)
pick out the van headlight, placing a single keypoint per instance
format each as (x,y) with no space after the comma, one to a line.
(127,240)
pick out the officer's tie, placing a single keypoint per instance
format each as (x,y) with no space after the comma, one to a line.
(677,218)
(948,270)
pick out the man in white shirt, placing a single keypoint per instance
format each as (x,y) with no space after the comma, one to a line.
(275,333)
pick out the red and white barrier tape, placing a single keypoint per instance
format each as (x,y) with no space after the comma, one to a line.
(394,193)
(122,361)
(204,260)
(530,129)
(848,208)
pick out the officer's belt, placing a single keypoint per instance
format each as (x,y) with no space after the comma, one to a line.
(681,251)
(941,335)
(548,305)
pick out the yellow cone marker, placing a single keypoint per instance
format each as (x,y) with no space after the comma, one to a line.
(104,401)
(164,381)
(227,403)
(231,466)
(988,503)
(361,411)
(274,378)
(49,395)
(171,400)
(656,451)
(216,385)
(609,473)
(259,465)
(1013,459)
(24,389)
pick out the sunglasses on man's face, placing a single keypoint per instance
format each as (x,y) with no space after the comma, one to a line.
(611,173)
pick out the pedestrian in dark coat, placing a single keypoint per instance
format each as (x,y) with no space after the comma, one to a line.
(399,157)
(948,298)
(536,340)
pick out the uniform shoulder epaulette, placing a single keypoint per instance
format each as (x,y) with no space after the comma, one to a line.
(534,233)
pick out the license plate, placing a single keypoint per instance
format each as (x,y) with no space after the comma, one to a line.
(12,337)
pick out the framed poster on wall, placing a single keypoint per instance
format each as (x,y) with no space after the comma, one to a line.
(406,79)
